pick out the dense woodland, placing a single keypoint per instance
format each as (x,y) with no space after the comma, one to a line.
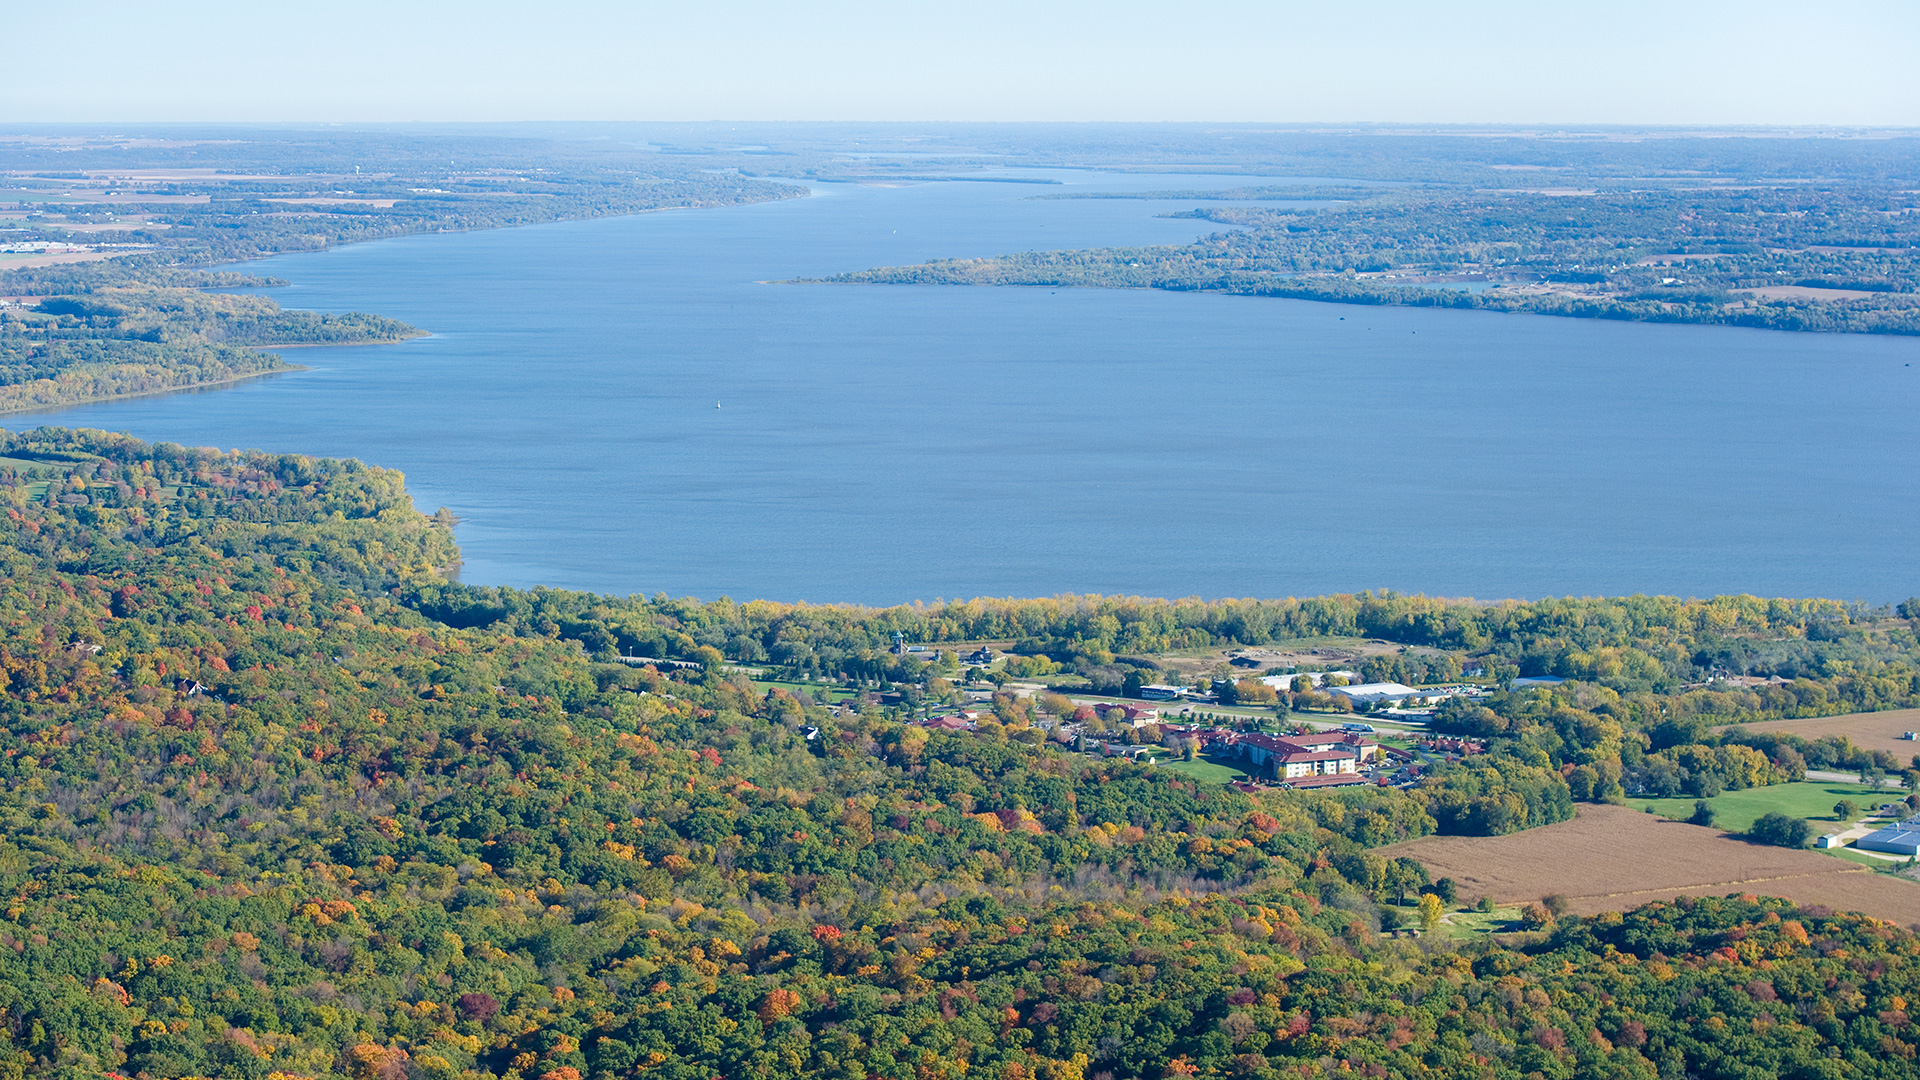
(280,800)
(1663,255)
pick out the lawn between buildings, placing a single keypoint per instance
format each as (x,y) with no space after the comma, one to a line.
(1208,769)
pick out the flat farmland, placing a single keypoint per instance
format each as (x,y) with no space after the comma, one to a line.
(1868,730)
(1611,858)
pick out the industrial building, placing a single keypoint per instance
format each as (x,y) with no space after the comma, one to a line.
(1375,692)
(1902,838)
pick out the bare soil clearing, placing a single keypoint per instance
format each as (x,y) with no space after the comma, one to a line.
(1869,731)
(382,203)
(21,262)
(1669,260)
(115,227)
(1805,292)
(1610,858)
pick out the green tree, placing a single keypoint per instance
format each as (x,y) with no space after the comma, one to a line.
(1780,830)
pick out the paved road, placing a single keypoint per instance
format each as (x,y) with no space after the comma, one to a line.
(1850,778)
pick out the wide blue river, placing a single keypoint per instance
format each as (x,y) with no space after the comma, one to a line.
(624,405)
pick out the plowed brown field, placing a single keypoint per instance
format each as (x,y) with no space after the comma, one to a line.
(1868,730)
(1610,858)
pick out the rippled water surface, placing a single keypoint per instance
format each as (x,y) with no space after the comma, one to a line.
(623,406)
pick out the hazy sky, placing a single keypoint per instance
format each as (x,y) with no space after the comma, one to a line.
(1628,61)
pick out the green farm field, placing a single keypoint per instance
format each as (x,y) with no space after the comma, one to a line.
(1734,811)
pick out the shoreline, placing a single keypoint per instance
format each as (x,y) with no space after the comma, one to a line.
(31,409)
(1429,299)
(346,344)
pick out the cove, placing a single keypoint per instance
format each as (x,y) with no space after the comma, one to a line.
(624,405)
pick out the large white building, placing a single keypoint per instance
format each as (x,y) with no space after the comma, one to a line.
(1317,678)
(1375,692)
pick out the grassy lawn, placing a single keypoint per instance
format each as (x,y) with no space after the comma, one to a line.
(1207,770)
(1734,811)
(821,691)
(1468,923)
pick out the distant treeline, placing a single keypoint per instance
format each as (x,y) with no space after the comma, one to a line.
(1647,256)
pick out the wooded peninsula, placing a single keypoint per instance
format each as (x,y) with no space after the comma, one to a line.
(1840,258)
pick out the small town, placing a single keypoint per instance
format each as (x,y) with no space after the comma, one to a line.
(1250,734)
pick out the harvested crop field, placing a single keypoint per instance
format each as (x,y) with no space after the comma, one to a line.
(1610,858)
(1806,292)
(1868,730)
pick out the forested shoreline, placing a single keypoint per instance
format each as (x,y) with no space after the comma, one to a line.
(281,801)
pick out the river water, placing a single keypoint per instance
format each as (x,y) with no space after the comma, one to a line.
(624,405)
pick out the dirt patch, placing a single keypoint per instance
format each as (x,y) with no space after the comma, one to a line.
(1807,292)
(1610,858)
(1869,731)
(22,262)
(116,227)
(1670,260)
(382,203)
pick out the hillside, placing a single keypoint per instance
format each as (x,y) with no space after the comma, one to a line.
(278,801)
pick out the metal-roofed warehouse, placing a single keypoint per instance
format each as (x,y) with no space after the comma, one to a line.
(1899,839)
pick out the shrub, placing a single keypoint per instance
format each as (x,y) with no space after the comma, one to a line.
(1783,831)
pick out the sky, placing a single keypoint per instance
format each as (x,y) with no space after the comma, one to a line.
(1689,62)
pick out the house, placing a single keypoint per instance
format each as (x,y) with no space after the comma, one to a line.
(1140,715)
(980,657)
(1445,744)
(648,661)
(950,723)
